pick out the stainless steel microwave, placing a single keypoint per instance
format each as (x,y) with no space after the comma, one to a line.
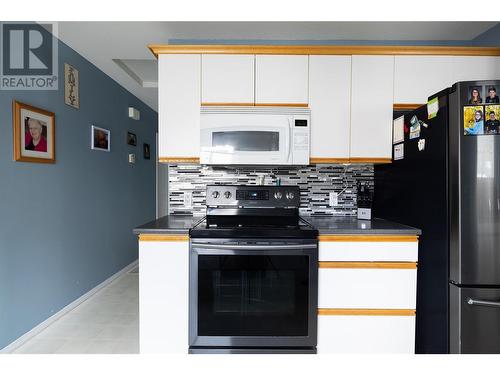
(255,135)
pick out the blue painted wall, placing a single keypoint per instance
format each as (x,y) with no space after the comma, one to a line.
(66,227)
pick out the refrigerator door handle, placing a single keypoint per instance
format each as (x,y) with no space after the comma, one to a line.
(480,302)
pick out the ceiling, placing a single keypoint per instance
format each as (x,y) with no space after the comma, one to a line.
(120,50)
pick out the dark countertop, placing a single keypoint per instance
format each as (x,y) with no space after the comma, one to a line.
(180,224)
(351,225)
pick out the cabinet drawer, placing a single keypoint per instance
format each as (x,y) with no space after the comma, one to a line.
(368,251)
(376,288)
(366,334)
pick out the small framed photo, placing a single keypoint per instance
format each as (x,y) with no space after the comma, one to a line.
(473,120)
(34,134)
(131,139)
(491,95)
(475,95)
(147,151)
(491,119)
(100,139)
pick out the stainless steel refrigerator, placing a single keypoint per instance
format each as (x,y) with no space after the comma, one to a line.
(446,182)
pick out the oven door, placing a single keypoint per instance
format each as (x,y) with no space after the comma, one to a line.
(249,294)
(245,139)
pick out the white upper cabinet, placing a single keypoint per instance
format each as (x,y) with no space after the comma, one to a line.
(281,79)
(372,106)
(418,77)
(179,86)
(330,103)
(227,79)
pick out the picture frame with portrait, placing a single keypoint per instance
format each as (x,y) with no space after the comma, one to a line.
(147,151)
(100,139)
(476,95)
(492,119)
(33,133)
(131,139)
(473,120)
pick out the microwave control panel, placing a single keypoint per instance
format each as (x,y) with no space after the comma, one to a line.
(300,140)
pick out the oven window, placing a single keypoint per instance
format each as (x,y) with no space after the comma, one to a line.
(253,295)
(247,140)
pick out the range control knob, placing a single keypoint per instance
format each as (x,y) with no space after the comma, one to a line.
(289,195)
(227,194)
(215,194)
(278,195)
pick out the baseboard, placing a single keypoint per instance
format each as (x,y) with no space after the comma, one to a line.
(40,327)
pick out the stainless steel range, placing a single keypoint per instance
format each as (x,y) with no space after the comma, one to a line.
(253,273)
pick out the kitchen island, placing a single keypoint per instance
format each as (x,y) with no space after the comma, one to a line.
(366,289)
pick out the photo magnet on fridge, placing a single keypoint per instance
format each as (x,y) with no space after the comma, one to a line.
(473,120)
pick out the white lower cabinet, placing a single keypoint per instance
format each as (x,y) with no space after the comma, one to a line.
(366,334)
(163,296)
(367,295)
(367,288)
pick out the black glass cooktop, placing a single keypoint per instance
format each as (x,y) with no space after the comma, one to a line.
(238,227)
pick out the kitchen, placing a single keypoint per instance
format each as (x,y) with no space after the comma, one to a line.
(303,195)
(259,121)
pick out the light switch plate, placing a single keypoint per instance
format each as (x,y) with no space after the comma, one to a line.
(131,158)
(188,199)
(334,199)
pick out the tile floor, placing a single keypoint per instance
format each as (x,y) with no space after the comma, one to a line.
(106,323)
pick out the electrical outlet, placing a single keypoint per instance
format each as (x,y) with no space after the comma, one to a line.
(334,199)
(188,199)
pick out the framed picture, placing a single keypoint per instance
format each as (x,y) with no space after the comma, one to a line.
(100,139)
(491,117)
(475,95)
(473,120)
(71,86)
(491,94)
(147,151)
(34,134)
(131,139)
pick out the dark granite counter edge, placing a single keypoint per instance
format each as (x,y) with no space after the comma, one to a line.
(180,226)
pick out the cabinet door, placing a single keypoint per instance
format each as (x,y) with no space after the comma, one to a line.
(179,81)
(418,77)
(371,106)
(366,334)
(330,103)
(353,288)
(281,79)
(163,296)
(227,79)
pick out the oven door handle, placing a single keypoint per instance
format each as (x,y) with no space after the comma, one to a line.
(254,247)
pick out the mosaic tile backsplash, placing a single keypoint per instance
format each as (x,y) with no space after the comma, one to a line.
(187,184)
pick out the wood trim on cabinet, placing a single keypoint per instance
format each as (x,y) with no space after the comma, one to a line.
(179,159)
(370,265)
(158,49)
(373,312)
(223,104)
(405,106)
(314,160)
(371,160)
(282,105)
(367,238)
(163,237)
